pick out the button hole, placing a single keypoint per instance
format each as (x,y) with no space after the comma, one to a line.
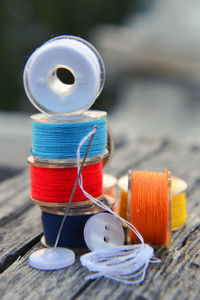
(107,227)
(106,239)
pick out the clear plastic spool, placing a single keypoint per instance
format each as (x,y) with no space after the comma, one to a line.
(52,94)
(85,207)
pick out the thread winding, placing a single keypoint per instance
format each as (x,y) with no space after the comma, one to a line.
(55,185)
(60,141)
(72,233)
(178,203)
(150,206)
(179,212)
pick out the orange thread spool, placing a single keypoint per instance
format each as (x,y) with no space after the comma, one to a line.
(149,200)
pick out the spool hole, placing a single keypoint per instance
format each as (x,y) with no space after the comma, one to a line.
(61,80)
(65,75)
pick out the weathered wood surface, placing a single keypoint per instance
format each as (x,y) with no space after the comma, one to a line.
(177,277)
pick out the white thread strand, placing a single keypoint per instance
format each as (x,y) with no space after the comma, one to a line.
(127,263)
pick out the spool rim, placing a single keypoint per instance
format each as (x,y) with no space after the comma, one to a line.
(108,185)
(179,190)
(86,116)
(122,181)
(92,208)
(77,204)
(64,163)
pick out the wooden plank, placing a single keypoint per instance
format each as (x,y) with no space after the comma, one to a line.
(19,235)
(129,154)
(178,276)
(14,197)
(15,220)
(173,279)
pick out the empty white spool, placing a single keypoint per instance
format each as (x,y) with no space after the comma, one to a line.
(47,92)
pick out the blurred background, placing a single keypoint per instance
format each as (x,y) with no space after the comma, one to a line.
(151,50)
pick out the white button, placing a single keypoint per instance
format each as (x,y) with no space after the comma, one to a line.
(51,259)
(103,230)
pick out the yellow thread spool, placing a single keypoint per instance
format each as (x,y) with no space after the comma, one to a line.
(179,212)
(178,204)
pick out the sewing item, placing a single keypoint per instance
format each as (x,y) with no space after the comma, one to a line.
(102,231)
(179,212)
(178,203)
(50,258)
(109,185)
(53,184)
(125,264)
(114,258)
(58,137)
(72,234)
(149,206)
(76,208)
(123,196)
(110,147)
(50,94)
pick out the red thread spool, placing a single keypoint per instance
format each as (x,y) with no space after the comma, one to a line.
(54,185)
(149,201)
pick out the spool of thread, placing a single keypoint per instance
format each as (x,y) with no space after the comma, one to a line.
(55,185)
(123,196)
(48,92)
(72,233)
(109,185)
(149,207)
(179,211)
(178,204)
(58,137)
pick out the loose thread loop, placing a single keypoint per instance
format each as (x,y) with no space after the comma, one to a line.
(126,264)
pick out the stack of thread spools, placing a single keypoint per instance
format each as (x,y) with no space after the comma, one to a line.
(57,132)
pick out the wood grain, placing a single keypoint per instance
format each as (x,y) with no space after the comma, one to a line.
(177,277)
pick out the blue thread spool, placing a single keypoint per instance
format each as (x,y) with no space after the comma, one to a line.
(58,138)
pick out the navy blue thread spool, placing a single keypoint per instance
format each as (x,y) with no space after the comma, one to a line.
(72,233)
